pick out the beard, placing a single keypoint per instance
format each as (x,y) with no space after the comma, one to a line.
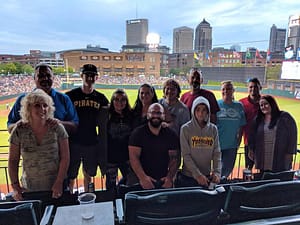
(155,122)
(196,85)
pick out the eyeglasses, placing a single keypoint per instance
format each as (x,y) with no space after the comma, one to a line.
(158,113)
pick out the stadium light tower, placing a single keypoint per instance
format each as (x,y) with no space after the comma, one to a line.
(153,40)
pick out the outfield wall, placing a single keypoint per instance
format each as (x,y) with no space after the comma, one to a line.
(276,92)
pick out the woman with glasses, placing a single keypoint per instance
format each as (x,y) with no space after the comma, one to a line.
(119,129)
(273,137)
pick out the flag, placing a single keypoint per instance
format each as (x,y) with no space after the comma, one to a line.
(196,56)
(207,56)
(258,55)
(221,55)
(248,54)
(268,55)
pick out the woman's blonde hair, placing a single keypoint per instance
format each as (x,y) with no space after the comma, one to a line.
(36,96)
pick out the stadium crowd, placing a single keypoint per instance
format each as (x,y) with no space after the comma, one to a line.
(16,84)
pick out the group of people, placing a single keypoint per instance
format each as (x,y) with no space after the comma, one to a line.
(55,132)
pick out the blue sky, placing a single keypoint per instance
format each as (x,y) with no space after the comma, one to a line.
(56,25)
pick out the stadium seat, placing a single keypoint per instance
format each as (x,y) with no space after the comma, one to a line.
(46,198)
(173,206)
(263,201)
(36,206)
(22,214)
(248,183)
(283,176)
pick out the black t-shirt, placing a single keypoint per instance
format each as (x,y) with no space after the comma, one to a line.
(87,107)
(154,149)
(118,131)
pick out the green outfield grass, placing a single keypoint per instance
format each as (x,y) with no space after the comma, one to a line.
(290,105)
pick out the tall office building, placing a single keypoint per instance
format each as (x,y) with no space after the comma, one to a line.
(183,38)
(136,31)
(277,39)
(203,37)
(293,37)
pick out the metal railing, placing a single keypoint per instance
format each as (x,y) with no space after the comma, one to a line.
(99,179)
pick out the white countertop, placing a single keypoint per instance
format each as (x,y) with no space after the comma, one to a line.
(71,215)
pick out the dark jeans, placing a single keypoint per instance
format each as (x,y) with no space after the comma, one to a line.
(228,161)
(112,173)
(248,162)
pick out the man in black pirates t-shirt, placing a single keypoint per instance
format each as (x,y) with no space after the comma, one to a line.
(84,144)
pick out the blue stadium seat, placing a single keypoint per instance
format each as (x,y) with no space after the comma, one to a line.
(173,206)
(263,201)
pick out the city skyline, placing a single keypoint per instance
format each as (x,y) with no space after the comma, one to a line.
(61,25)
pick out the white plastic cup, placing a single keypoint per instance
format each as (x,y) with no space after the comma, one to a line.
(87,201)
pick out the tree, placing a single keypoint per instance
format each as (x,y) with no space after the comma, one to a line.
(10,68)
(58,70)
(27,69)
(71,70)
(2,69)
(18,68)
(175,71)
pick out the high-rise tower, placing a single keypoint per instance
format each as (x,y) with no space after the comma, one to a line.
(183,39)
(136,31)
(293,37)
(277,39)
(203,37)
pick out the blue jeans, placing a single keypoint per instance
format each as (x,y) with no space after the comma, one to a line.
(228,161)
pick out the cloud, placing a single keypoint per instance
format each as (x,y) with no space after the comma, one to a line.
(56,25)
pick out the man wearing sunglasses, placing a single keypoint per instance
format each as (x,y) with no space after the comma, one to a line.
(64,113)
(84,144)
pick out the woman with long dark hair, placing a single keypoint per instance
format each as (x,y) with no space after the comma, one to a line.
(273,137)
(145,97)
(119,128)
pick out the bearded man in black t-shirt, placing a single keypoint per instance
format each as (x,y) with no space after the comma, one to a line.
(153,152)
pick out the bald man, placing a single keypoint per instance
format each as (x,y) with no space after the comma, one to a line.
(64,113)
(153,152)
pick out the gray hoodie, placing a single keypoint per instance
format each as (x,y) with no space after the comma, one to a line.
(200,146)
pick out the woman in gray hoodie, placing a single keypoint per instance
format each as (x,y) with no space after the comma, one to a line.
(200,148)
